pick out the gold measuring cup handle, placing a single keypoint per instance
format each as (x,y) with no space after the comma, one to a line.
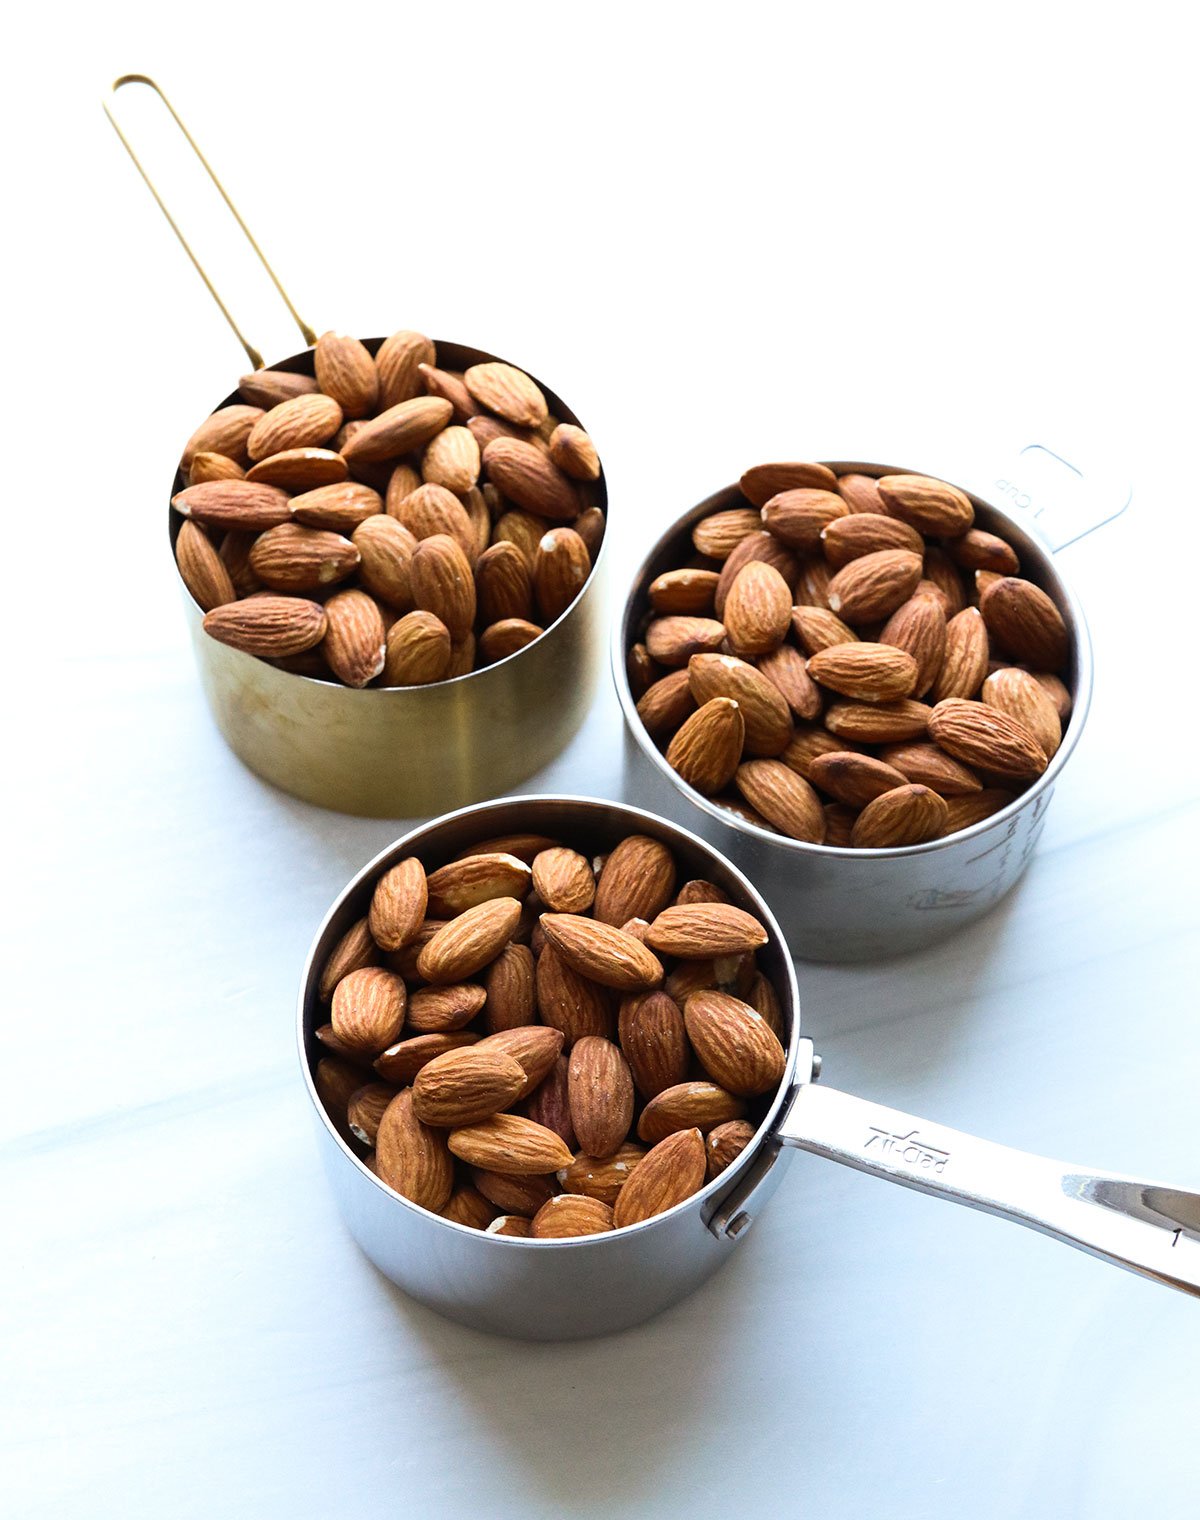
(256,358)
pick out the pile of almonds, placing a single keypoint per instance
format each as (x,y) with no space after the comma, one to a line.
(384,521)
(849,661)
(531,1042)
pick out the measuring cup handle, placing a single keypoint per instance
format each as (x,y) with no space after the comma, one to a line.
(1144,1227)
(1065,494)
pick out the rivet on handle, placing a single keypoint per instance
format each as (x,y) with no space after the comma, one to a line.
(256,358)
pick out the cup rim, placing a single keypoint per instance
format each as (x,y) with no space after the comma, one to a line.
(1081,692)
(714,1189)
(301,363)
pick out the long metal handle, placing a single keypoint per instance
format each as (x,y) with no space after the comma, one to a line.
(1066,494)
(1142,1226)
(255,357)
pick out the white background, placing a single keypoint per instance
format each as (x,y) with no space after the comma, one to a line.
(906,233)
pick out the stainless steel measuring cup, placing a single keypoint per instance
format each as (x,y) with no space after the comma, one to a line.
(565,1289)
(839,904)
(392,752)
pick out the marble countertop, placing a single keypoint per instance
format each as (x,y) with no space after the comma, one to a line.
(186,1328)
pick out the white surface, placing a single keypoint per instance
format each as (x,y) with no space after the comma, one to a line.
(901,233)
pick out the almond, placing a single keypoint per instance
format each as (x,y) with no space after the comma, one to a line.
(665,1176)
(510,1145)
(872,587)
(235,556)
(858,533)
(442,583)
(932,767)
(1017,693)
(412,1159)
(817,628)
(717,535)
(812,584)
(763,481)
(202,570)
(636,881)
(468,1206)
(654,1042)
(510,992)
(783,798)
(723,1145)
(1054,687)
(294,558)
(590,527)
(503,584)
(569,1214)
(340,507)
(964,812)
(300,469)
(368,1010)
(700,931)
(918,626)
(520,1196)
(699,891)
(687,592)
(667,703)
(366,1108)
(673,641)
(244,504)
(735,1044)
(758,610)
(977,550)
(561,567)
(398,364)
(931,506)
(965,662)
(787,671)
(303,422)
(982,736)
(690,1105)
(354,637)
(401,428)
(431,509)
(401,1062)
(550,1103)
(943,577)
(564,881)
(452,460)
(465,1086)
(269,626)
(526,475)
(469,942)
(908,815)
(385,550)
(590,1177)
(346,371)
(853,779)
(534,1048)
(398,904)
(1025,622)
(452,388)
(510,1224)
(878,722)
(766,718)
(569,1002)
(444,1009)
(601,952)
(861,493)
(224,432)
(336,1082)
(759,545)
(507,391)
(868,672)
(574,452)
(508,637)
(706,750)
(523,846)
(641,669)
(600,1090)
(798,518)
(355,949)
(475,879)
(265,388)
(205,467)
(417,650)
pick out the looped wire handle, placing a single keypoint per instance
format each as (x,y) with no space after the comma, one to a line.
(256,358)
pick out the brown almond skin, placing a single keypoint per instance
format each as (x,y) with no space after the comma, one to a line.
(353,951)
(666,704)
(417,650)
(469,942)
(798,517)
(908,815)
(223,432)
(600,1092)
(1019,694)
(550,1103)
(817,628)
(411,1158)
(986,738)
(443,583)
(603,1179)
(397,430)
(366,1108)
(672,641)
(563,879)
(268,626)
(672,1171)
(965,662)
(503,584)
(1026,623)
(933,768)
(305,421)
(561,567)
(734,1043)
(687,592)
(567,1215)
(699,931)
(758,609)
(717,535)
(442,1010)
(943,576)
(860,533)
(766,717)
(762,481)
(507,391)
(706,750)
(964,812)
(569,1002)
(723,1145)
(874,586)
(201,567)
(515,1195)
(510,990)
(300,469)
(930,505)
(602,952)
(854,779)
(787,671)
(977,550)
(511,1145)
(573,451)
(266,388)
(398,904)
(533,1047)
(759,545)
(653,1040)
(465,1086)
(398,363)
(860,493)
(401,1062)
(368,1010)
(878,722)
(636,881)
(866,671)
(354,638)
(527,476)
(918,627)
(468,1206)
(346,371)
(784,799)
(477,878)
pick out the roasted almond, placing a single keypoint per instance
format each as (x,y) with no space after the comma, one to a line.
(1026,623)
(763,481)
(873,586)
(368,1010)
(354,637)
(527,476)
(398,904)
(444,1009)
(965,661)
(1018,694)
(346,371)
(569,1214)
(766,717)
(475,879)
(735,1044)
(868,672)
(672,1171)
(929,505)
